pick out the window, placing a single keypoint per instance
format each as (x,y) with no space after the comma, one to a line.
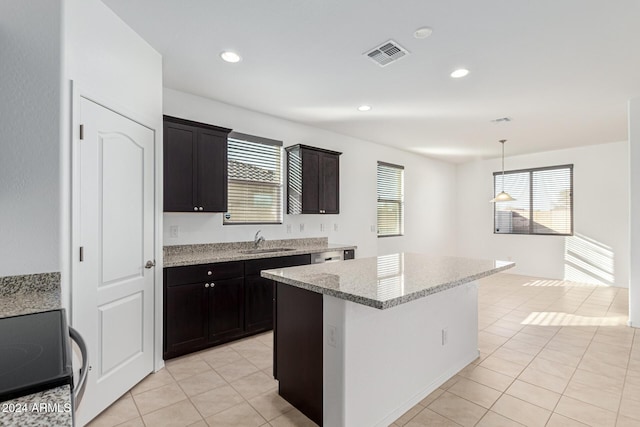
(390,200)
(543,205)
(255,180)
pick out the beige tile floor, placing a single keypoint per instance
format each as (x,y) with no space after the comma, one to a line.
(553,354)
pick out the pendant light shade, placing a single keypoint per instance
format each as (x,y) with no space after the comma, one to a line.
(502,196)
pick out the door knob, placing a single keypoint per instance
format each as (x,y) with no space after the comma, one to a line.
(150,264)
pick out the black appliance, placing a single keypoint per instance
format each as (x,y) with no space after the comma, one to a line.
(35,353)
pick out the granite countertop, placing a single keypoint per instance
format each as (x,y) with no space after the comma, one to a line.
(389,280)
(24,294)
(180,255)
(51,408)
(29,293)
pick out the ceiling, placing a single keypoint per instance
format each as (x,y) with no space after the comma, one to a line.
(562,70)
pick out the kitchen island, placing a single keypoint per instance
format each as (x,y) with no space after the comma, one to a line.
(360,342)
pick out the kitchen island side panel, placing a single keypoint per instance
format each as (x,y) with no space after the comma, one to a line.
(380,363)
(298,346)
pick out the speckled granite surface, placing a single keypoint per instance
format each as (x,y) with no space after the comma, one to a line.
(32,293)
(222,252)
(387,281)
(29,293)
(48,408)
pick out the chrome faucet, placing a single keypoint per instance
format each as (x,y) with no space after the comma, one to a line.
(257,240)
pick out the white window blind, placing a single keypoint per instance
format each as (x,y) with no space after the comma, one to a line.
(390,180)
(255,180)
(543,205)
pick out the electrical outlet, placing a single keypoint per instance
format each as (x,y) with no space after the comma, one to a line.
(174,231)
(373,228)
(445,336)
(335,227)
(301,227)
(332,338)
(321,227)
(288,228)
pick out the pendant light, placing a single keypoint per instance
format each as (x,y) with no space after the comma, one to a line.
(502,196)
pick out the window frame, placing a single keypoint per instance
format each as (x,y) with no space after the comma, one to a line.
(265,141)
(400,203)
(531,171)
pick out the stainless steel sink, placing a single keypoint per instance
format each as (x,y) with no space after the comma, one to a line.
(266,250)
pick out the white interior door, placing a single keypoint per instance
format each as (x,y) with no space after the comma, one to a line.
(112,291)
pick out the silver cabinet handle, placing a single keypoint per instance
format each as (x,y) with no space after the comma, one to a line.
(150,264)
(209,273)
(195,208)
(200,208)
(213,284)
(206,285)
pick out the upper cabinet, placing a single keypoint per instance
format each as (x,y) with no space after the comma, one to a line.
(195,166)
(313,180)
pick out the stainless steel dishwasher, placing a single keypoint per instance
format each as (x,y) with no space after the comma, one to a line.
(328,256)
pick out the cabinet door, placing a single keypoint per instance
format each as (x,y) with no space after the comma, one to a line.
(179,164)
(185,318)
(226,309)
(310,181)
(258,303)
(211,171)
(329,184)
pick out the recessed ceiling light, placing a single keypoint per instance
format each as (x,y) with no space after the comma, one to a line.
(229,56)
(460,72)
(423,33)
(364,108)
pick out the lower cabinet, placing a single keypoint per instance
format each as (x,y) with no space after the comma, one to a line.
(260,292)
(259,303)
(226,310)
(210,304)
(186,316)
(203,306)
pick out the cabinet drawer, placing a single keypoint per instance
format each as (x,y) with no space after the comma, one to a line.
(204,272)
(255,266)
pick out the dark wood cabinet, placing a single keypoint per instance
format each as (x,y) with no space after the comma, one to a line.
(260,291)
(313,180)
(226,309)
(210,304)
(203,306)
(259,303)
(298,353)
(195,166)
(186,316)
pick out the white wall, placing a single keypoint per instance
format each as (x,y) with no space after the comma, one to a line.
(601,216)
(30,98)
(111,64)
(634,224)
(429,219)
(108,61)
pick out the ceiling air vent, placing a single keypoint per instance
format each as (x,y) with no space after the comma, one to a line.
(387,53)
